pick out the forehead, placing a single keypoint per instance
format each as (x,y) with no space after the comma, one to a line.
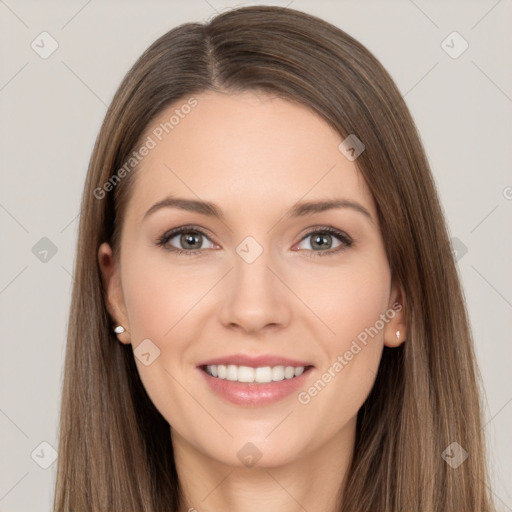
(244,151)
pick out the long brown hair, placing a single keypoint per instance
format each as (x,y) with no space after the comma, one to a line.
(115,447)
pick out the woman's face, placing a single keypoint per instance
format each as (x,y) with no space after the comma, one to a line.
(257,280)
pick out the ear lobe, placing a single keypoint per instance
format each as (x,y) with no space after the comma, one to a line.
(395,332)
(395,339)
(112,290)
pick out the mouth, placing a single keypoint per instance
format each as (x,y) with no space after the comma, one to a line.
(262,383)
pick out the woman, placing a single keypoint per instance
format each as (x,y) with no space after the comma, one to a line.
(266,313)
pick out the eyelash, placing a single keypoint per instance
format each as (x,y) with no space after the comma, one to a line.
(340,235)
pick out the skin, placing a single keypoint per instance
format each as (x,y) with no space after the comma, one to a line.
(254,156)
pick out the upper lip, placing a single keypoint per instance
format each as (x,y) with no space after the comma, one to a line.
(254,361)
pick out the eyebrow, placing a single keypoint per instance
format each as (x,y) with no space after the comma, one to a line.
(299,209)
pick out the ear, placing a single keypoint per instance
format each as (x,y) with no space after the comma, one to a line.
(395,332)
(113,290)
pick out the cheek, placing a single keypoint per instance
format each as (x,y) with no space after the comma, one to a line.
(353,305)
(347,299)
(157,296)
(362,298)
(162,303)
(156,302)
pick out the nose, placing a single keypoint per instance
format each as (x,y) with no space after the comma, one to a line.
(254,298)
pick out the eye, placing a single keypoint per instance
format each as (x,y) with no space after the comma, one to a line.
(322,240)
(189,240)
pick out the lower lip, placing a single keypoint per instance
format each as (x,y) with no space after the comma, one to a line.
(252,393)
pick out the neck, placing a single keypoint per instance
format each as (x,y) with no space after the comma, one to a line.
(311,482)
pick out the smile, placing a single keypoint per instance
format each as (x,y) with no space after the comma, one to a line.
(255,386)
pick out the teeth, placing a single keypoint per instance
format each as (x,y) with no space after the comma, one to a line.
(260,375)
(299,371)
(278,373)
(231,372)
(289,372)
(245,374)
(263,374)
(221,371)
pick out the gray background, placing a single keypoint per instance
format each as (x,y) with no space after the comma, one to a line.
(51,110)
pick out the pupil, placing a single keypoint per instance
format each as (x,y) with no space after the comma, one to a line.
(189,239)
(321,241)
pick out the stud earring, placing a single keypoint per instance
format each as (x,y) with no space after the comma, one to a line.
(398,335)
(119,329)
